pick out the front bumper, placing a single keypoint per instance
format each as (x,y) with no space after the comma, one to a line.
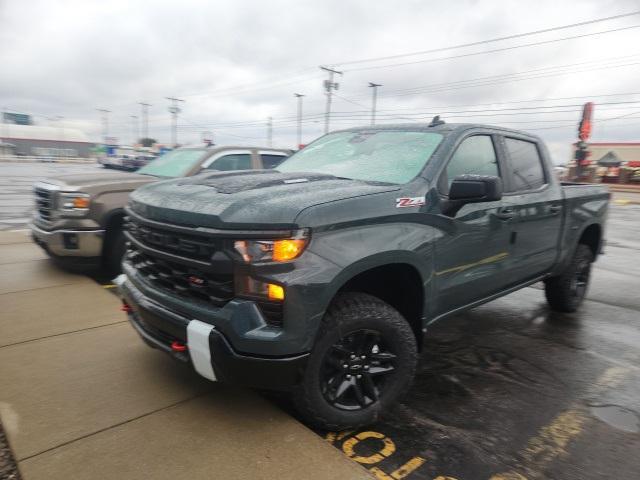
(69,243)
(208,350)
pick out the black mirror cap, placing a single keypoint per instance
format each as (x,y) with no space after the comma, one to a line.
(475,188)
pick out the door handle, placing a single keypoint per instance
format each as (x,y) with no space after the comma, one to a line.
(506,213)
(553,209)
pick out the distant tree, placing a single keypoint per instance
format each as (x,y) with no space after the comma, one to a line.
(147,142)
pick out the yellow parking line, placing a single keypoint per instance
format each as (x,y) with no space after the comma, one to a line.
(552,440)
(109,286)
(388,448)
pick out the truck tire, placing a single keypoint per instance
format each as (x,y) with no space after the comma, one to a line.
(363,360)
(566,291)
(114,250)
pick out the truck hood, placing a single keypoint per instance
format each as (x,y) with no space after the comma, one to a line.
(264,199)
(101,182)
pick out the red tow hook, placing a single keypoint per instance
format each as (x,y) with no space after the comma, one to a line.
(126,308)
(178,347)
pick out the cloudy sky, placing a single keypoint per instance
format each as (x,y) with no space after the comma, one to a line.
(236,63)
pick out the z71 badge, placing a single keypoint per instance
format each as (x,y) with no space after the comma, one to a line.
(409,202)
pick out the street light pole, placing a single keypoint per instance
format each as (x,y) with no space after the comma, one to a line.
(145,118)
(373,101)
(329,86)
(270,131)
(174,109)
(299,97)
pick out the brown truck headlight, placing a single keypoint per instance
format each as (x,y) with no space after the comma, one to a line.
(73,204)
(281,250)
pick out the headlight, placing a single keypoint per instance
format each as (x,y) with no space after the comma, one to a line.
(281,250)
(73,204)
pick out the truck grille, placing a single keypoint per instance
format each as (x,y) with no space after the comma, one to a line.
(198,247)
(44,202)
(182,280)
(182,263)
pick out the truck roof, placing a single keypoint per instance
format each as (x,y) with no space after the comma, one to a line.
(445,128)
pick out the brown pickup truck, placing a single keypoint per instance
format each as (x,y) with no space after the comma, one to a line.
(78,217)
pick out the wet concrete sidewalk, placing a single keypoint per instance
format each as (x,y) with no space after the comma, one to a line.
(81,397)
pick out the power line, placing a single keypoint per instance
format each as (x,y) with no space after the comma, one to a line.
(533,44)
(426,115)
(439,108)
(145,118)
(493,78)
(492,40)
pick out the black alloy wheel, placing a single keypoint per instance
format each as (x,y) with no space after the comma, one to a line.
(362,362)
(355,370)
(566,291)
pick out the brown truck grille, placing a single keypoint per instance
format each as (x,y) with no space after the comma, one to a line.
(44,202)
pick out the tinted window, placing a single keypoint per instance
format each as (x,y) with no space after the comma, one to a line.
(235,161)
(474,156)
(525,163)
(390,156)
(271,161)
(174,164)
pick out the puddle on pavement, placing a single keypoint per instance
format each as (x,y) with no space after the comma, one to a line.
(618,417)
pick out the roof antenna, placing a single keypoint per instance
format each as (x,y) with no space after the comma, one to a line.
(436,121)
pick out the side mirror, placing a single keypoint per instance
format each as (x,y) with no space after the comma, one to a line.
(472,189)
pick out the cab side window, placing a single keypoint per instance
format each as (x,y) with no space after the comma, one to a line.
(271,160)
(235,161)
(526,164)
(474,156)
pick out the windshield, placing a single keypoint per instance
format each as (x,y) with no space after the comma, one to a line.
(390,156)
(173,164)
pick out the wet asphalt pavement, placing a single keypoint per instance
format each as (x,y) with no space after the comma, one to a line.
(508,390)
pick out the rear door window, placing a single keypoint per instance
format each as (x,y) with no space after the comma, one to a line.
(234,161)
(271,160)
(527,172)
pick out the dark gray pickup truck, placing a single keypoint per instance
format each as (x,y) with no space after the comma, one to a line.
(322,277)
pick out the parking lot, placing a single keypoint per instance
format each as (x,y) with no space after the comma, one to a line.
(506,391)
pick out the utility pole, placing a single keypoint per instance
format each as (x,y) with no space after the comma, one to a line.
(270,131)
(299,97)
(174,109)
(105,123)
(329,86)
(374,99)
(135,131)
(145,118)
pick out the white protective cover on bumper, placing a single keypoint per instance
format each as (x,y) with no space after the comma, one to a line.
(199,351)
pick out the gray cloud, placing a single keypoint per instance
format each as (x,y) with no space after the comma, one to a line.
(240,62)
